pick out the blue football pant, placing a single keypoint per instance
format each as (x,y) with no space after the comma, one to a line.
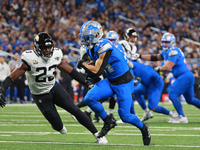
(153,92)
(184,84)
(104,89)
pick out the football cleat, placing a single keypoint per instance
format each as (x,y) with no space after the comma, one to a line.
(146,134)
(63,131)
(119,121)
(100,140)
(179,119)
(88,114)
(183,119)
(111,116)
(174,117)
(96,119)
(147,115)
(107,127)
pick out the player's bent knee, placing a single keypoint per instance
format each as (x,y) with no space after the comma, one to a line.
(89,100)
(152,107)
(124,117)
(173,96)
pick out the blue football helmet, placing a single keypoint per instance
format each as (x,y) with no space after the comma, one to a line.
(170,39)
(113,37)
(91,32)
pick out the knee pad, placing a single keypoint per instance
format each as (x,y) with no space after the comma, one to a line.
(123,116)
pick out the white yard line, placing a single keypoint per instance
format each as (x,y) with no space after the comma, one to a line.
(88,133)
(65,143)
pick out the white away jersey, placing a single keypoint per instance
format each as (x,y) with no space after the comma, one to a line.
(41,76)
(130,48)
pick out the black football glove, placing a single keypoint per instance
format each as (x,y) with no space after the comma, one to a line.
(2,98)
(89,84)
(80,64)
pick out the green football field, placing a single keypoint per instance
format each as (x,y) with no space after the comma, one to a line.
(22,127)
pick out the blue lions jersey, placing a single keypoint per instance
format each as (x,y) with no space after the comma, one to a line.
(145,72)
(176,56)
(117,64)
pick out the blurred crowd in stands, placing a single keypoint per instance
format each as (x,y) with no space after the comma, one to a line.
(21,20)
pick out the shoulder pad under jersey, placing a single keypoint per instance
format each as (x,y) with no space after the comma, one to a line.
(125,45)
(103,46)
(27,54)
(173,52)
(57,53)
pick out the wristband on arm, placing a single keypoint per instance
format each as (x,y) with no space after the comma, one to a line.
(154,58)
(6,83)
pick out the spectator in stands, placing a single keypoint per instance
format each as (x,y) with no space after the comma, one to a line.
(4,67)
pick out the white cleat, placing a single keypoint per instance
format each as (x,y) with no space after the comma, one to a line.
(179,119)
(147,115)
(101,140)
(183,119)
(119,121)
(174,117)
(63,131)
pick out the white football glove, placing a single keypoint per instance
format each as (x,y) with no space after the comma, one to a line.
(135,56)
(130,64)
(157,69)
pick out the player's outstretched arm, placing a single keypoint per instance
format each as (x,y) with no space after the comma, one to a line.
(63,66)
(9,80)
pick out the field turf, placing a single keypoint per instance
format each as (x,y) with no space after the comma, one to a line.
(23,127)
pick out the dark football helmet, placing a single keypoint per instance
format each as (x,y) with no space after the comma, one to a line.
(43,45)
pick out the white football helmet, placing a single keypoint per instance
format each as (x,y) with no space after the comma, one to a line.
(91,32)
(130,32)
(170,39)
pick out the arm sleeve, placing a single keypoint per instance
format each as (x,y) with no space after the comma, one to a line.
(103,65)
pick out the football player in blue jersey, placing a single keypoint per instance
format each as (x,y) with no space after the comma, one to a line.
(176,63)
(119,79)
(128,47)
(151,83)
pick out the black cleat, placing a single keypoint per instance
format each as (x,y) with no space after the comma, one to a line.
(96,119)
(146,134)
(88,114)
(111,116)
(107,127)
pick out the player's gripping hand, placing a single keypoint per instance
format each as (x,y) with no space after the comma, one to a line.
(157,69)
(135,56)
(2,98)
(89,84)
(80,64)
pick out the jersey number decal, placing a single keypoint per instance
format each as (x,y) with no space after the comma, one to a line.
(39,77)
